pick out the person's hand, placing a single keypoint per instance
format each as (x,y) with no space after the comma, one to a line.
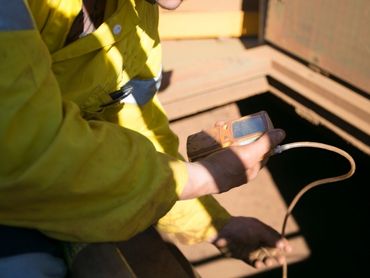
(238,165)
(230,167)
(252,241)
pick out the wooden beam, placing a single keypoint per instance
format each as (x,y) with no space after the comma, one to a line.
(190,25)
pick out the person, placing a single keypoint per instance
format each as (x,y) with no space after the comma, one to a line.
(87,154)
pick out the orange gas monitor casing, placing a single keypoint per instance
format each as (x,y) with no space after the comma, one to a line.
(241,131)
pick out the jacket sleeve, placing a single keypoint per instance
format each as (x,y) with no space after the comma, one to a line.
(193,221)
(73,179)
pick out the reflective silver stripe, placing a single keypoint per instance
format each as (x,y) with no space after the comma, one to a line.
(14,16)
(141,90)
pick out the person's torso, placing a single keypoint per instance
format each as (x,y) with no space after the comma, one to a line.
(88,69)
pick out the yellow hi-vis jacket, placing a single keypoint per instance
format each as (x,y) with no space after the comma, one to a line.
(78,161)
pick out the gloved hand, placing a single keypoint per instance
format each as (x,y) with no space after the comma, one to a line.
(230,167)
(252,241)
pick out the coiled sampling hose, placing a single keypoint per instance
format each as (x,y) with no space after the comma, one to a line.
(298,196)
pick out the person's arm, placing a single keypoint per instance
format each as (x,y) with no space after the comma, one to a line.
(73,179)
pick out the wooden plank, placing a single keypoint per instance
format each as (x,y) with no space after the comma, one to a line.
(208,6)
(310,115)
(190,25)
(216,97)
(220,78)
(337,99)
(188,82)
